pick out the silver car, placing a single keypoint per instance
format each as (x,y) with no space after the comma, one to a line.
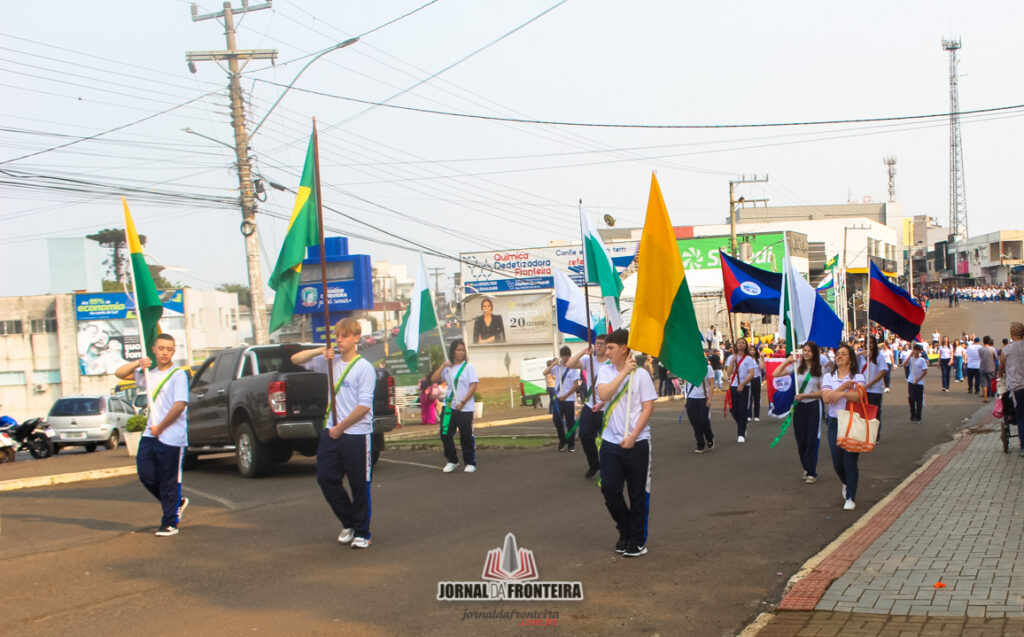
(89,421)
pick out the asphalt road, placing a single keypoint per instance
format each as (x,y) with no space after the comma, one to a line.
(727,529)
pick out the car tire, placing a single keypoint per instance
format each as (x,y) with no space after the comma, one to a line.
(254,457)
(112,441)
(90,447)
(190,461)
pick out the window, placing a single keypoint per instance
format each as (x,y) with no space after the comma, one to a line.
(9,379)
(10,327)
(44,326)
(46,376)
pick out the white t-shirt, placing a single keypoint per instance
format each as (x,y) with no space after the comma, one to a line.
(565,378)
(467,378)
(918,366)
(697,391)
(880,365)
(643,391)
(935,337)
(745,366)
(973,359)
(945,351)
(832,381)
(173,391)
(357,389)
(585,371)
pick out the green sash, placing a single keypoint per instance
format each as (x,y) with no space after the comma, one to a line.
(341,380)
(447,418)
(604,421)
(156,392)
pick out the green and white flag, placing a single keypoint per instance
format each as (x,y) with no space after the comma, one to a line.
(599,270)
(419,317)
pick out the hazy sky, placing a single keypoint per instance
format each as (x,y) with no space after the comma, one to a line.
(459,184)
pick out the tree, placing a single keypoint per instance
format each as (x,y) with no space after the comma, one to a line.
(244,298)
(113,240)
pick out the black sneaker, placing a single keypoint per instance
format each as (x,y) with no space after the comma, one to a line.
(635,550)
(621,546)
(166,531)
(591,472)
(711,444)
(572,449)
(181,508)
(561,446)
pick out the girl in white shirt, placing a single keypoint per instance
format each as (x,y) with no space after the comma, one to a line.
(838,388)
(807,408)
(741,371)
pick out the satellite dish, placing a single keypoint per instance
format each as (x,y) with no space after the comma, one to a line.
(609,220)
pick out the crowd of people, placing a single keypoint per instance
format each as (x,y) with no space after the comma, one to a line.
(973,293)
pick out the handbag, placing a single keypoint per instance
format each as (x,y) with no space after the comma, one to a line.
(858,425)
(997,408)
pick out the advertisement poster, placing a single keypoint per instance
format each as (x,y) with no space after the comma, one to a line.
(108,331)
(508,318)
(532,268)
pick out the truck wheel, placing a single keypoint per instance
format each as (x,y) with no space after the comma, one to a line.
(282,454)
(90,447)
(254,457)
(190,461)
(376,446)
(112,441)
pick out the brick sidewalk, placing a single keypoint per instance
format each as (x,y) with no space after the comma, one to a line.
(959,522)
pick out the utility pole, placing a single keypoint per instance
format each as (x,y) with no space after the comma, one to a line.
(247,197)
(733,203)
(436,273)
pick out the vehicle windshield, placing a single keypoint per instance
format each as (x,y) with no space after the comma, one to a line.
(76,407)
(276,360)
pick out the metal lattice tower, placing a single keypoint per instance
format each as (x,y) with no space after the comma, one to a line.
(890,163)
(957,191)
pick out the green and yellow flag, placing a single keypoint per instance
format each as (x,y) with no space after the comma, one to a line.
(664,323)
(147,298)
(302,233)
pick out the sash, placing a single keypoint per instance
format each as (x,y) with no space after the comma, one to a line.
(447,418)
(604,421)
(156,392)
(340,381)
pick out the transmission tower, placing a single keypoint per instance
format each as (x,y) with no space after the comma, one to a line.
(890,163)
(957,191)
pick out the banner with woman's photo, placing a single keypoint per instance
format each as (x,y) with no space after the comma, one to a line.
(507,318)
(108,332)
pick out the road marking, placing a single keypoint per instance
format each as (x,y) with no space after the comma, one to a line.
(66,478)
(228,503)
(415,464)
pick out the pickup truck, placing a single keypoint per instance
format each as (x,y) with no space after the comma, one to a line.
(255,402)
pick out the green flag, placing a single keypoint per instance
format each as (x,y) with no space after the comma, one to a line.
(419,317)
(147,298)
(302,233)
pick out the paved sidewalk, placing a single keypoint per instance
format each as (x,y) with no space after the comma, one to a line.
(943,555)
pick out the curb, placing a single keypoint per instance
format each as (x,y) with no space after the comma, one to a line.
(65,478)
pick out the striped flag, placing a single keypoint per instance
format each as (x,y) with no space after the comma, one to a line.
(599,270)
(147,298)
(419,317)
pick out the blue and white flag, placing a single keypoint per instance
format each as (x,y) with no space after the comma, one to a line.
(570,307)
(809,315)
(780,389)
(827,283)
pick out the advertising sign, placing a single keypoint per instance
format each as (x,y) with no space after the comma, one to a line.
(108,330)
(510,318)
(532,268)
(701,253)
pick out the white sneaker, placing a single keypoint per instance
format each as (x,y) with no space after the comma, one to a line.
(451,466)
(470,468)
(844,492)
(346,535)
(361,543)
(740,439)
(757,419)
(887,389)
(850,505)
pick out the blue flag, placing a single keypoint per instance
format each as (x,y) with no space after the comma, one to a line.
(750,289)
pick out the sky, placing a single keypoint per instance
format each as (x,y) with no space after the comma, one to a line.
(411,180)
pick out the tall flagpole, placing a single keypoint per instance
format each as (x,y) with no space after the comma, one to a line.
(586,301)
(323,270)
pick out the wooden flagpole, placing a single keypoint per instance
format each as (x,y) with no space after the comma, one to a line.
(586,302)
(323,270)
(138,321)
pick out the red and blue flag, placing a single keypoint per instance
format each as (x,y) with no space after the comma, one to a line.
(892,308)
(749,289)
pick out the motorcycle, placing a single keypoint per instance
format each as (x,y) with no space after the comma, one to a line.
(28,437)
(8,448)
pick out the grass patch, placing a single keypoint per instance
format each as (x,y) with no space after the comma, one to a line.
(482,442)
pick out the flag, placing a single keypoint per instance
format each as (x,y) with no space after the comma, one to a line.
(570,307)
(147,298)
(749,289)
(664,323)
(809,315)
(599,270)
(780,389)
(302,233)
(892,308)
(832,263)
(827,283)
(419,317)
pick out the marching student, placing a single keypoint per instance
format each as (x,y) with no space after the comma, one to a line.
(591,417)
(629,394)
(698,410)
(741,373)
(567,381)
(837,388)
(917,369)
(807,410)
(874,368)
(345,448)
(459,405)
(163,443)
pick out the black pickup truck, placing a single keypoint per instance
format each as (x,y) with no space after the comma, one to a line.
(255,402)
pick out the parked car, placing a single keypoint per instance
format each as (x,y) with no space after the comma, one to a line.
(394,330)
(378,335)
(88,421)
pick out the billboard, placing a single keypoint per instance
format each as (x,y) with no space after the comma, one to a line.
(509,318)
(532,268)
(701,253)
(108,330)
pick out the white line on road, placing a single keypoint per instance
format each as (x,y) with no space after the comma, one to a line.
(415,464)
(228,503)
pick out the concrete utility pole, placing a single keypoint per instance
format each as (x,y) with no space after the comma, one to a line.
(741,202)
(436,273)
(248,198)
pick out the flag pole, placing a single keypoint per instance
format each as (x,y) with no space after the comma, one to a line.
(586,302)
(323,270)
(440,332)
(138,322)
